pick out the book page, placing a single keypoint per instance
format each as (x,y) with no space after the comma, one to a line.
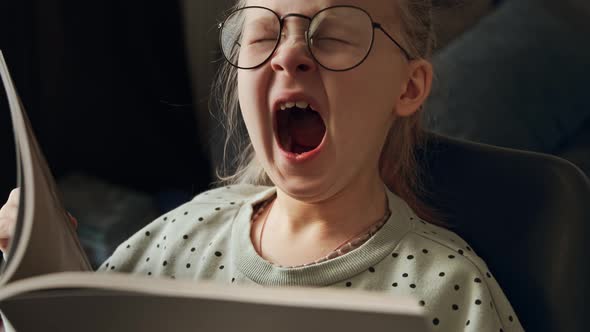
(44,240)
(77,301)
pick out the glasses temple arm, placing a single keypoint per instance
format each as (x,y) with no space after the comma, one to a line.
(378,26)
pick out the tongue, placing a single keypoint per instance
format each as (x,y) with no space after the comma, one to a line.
(306,129)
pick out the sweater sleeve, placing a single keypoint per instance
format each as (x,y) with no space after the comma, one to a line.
(484,303)
(460,292)
(167,245)
(130,256)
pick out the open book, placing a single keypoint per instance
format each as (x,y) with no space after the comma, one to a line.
(47,283)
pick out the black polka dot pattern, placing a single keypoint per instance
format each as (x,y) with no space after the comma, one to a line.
(435,267)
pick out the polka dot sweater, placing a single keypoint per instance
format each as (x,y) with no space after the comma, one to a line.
(209,238)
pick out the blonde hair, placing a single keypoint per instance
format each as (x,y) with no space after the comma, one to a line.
(399,167)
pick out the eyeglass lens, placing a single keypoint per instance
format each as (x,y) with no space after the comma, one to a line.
(339,38)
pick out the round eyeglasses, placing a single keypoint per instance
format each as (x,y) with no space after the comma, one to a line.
(339,38)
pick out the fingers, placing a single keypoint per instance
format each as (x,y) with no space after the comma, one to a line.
(14,197)
(8,215)
(7,225)
(4,244)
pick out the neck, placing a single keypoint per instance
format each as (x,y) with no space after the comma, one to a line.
(346,212)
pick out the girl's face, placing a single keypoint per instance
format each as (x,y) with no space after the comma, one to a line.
(355,108)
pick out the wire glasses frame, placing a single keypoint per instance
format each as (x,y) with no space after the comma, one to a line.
(281,20)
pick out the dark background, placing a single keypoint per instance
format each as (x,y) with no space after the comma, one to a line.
(106,87)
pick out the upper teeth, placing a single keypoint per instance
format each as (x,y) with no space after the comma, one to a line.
(291,104)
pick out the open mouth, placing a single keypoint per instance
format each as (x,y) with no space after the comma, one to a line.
(300,128)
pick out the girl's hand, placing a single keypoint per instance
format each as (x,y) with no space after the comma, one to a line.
(8,214)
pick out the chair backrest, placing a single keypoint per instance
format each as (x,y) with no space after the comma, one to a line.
(577,148)
(528,216)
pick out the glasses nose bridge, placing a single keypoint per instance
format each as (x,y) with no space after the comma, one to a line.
(301,31)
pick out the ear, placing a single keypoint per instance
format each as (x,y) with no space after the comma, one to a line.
(416,89)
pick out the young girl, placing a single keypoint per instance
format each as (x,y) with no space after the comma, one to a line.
(325,191)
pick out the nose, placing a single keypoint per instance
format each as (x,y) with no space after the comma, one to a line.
(292,56)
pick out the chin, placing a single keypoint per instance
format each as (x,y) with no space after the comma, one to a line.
(306,188)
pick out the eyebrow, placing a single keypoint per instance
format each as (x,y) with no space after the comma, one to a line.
(310,12)
(265,22)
